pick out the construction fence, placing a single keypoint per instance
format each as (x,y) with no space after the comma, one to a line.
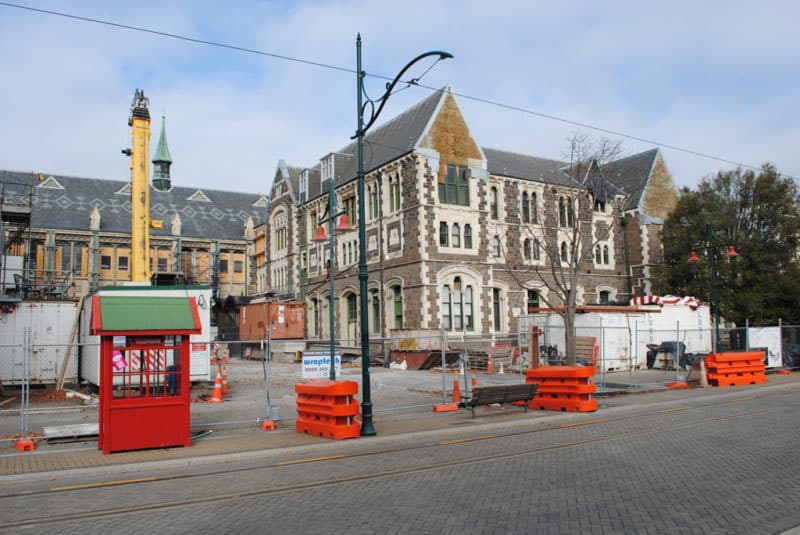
(410,370)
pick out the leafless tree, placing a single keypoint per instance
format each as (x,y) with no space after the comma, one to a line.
(564,240)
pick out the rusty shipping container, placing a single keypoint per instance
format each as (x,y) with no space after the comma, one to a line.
(288,321)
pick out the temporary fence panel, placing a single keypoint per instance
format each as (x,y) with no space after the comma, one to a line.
(200,344)
(51,324)
(767,339)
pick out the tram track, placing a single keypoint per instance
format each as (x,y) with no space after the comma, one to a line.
(431,466)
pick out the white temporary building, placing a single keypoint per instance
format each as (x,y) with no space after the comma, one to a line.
(622,334)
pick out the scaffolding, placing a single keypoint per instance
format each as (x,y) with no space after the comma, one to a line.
(16,207)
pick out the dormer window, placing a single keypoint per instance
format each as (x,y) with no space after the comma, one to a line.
(304,185)
(327,167)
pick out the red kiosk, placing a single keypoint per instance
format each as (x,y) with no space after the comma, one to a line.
(144,370)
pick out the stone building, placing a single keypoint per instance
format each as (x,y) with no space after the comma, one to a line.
(79,233)
(457,234)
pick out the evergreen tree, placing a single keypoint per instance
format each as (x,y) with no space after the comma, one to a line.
(758,214)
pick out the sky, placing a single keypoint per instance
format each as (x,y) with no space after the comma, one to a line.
(717,77)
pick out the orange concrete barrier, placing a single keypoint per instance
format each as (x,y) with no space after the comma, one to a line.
(736,369)
(563,388)
(24,444)
(327,408)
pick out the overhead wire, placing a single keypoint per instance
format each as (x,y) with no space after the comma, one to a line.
(409,83)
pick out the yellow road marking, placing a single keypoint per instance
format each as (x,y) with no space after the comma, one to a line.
(312,460)
(589,422)
(471,439)
(741,399)
(104,484)
(665,411)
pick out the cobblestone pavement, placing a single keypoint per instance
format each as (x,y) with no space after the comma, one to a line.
(721,461)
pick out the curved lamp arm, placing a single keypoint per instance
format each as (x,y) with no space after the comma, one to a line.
(389,86)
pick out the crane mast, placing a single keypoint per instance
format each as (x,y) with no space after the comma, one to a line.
(139,121)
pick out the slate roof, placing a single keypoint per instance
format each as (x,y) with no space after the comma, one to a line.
(382,144)
(401,134)
(512,164)
(631,174)
(68,208)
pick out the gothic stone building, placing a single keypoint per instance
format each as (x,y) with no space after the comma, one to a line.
(80,231)
(457,234)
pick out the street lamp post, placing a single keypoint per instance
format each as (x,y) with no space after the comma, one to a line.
(330,215)
(711,245)
(367,428)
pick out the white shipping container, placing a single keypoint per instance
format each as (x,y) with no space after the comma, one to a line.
(51,324)
(200,361)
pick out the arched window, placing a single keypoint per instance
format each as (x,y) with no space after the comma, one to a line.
(493,200)
(564,252)
(314,317)
(376,311)
(534,208)
(446,310)
(468,236)
(468,308)
(395,188)
(397,295)
(457,307)
(352,310)
(604,297)
(526,249)
(526,208)
(443,234)
(455,236)
(570,213)
(457,302)
(537,249)
(533,301)
(497,309)
(562,212)
(373,201)
(605,255)
(598,257)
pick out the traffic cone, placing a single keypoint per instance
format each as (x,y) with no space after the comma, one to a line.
(474,381)
(489,366)
(456,392)
(703,374)
(224,374)
(216,397)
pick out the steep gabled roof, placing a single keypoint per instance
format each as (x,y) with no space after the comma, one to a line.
(222,217)
(631,174)
(383,143)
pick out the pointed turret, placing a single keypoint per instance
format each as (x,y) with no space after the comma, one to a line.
(162,161)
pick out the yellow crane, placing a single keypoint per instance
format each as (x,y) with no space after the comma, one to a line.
(139,121)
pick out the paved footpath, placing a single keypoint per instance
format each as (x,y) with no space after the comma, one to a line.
(235,440)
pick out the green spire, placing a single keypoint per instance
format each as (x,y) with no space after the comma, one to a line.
(162,152)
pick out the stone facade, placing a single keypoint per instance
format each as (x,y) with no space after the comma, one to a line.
(458,250)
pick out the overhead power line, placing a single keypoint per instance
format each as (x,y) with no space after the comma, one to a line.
(414,81)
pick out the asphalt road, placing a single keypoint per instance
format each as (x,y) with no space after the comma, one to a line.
(721,463)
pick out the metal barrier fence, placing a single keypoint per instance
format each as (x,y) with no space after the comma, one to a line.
(411,370)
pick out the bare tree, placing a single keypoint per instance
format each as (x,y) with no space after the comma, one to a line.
(564,240)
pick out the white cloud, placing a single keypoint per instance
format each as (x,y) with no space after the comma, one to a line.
(712,77)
